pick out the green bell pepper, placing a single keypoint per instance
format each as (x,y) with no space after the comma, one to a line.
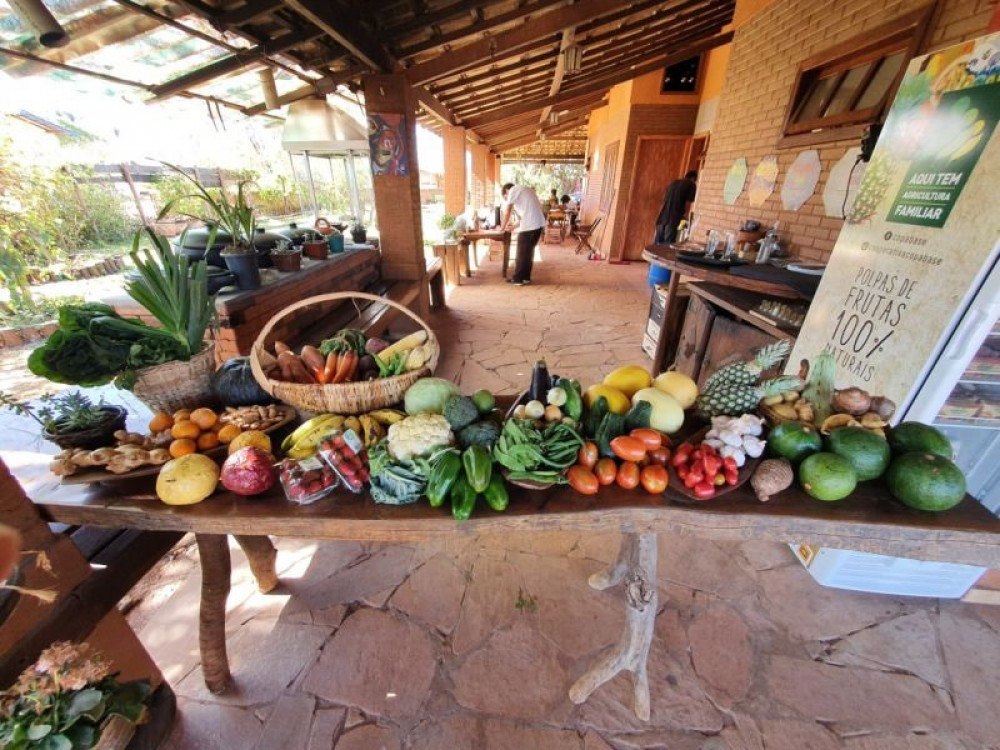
(478,467)
(496,493)
(463,499)
(444,472)
(573,408)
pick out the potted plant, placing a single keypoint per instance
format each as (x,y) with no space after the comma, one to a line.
(316,247)
(71,420)
(358,233)
(70,699)
(336,240)
(233,215)
(286,257)
(447,226)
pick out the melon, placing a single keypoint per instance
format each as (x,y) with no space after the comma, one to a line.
(678,385)
(187,480)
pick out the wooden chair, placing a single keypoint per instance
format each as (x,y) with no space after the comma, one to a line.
(583,232)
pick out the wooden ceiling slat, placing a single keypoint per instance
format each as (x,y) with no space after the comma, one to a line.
(511,42)
(665,22)
(422,21)
(545,58)
(345,31)
(247,12)
(601,84)
(511,88)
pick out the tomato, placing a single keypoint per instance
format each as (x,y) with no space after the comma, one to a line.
(712,465)
(660,456)
(628,476)
(654,479)
(697,471)
(730,463)
(682,471)
(588,455)
(732,476)
(606,471)
(718,480)
(648,437)
(685,449)
(628,448)
(690,480)
(680,459)
(696,455)
(582,480)
(704,490)
(707,450)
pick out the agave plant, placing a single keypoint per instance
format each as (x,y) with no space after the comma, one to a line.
(235,216)
(174,290)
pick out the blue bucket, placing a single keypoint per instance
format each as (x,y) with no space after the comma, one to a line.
(657,275)
(336,243)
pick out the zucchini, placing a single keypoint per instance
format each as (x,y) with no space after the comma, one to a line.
(496,493)
(612,426)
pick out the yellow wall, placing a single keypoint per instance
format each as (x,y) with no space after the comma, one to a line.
(714,71)
(607,125)
(646,90)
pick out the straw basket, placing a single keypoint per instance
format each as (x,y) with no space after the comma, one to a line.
(340,398)
(177,385)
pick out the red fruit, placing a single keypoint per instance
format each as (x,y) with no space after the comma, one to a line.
(587,455)
(732,477)
(683,471)
(249,471)
(660,456)
(648,437)
(583,480)
(712,464)
(704,490)
(654,479)
(730,463)
(690,480)
(606,471)
(628,476)
(628,448)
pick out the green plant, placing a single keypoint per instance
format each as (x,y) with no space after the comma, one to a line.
(62,413)
(235,216)
(24,310)
(446,222)
(62,700)
(173,291)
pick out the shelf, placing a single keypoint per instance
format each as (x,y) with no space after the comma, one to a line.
(740,302)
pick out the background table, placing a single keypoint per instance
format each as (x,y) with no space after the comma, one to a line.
(468,242)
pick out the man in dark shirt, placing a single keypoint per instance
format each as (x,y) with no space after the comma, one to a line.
(676,205)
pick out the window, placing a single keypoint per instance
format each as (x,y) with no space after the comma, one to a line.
(842,90)
(682,77)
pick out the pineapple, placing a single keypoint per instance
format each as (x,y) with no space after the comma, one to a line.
(878,177)
(734,399)
(747,373)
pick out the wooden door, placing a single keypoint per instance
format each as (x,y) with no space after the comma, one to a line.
(658,161)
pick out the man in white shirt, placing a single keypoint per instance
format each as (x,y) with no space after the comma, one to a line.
(531,220)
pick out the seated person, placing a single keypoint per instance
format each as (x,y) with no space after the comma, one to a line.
(553,201)
(570,208)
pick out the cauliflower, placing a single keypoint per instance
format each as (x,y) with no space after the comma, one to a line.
(418,436)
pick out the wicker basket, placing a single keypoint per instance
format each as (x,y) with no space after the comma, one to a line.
(178,385)
(339,398)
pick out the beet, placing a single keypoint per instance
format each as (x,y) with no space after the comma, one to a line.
(248,471)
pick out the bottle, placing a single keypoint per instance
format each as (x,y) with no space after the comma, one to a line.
(768,245)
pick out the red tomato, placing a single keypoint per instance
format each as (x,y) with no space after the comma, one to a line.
(732,477)
(682,471)
(696,454)
(697,471)
(704,490)
(606,471)
(660,456)
(680,459)
(654,479)
(712,465)
(588,455)
(707,450)
(582,480)
(628,448)
(628,475)
(730,463)
(648,437)
(690,480)
(685,448)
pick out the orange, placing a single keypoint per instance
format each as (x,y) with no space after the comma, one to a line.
(161,421)
(185,428)
(228,433)
(204,418)
(182,414)
(182,447)
(207,441)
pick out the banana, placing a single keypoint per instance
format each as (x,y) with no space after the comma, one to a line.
(352,423)
(387,417)
(372,430)
(312,431)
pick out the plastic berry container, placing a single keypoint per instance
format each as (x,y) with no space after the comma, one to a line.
(307,480)
(344,452)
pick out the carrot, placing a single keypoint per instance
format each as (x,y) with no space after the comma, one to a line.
(330,369)
(344,366)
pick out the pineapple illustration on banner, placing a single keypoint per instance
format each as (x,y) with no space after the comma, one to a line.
(921,228)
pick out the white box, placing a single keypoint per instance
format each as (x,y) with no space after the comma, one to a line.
(649,345)
(881,574)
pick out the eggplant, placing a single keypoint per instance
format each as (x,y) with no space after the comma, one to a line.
(540,382)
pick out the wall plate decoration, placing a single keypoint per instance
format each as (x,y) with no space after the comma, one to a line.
(736,179)
(842,183)
(801,180)
(765,177)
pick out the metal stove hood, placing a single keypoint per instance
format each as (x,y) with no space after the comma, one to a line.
(314,127)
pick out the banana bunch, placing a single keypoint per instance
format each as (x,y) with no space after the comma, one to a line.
(370,427)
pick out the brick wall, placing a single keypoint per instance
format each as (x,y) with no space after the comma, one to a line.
(453,143)
(765,57)
(645,119)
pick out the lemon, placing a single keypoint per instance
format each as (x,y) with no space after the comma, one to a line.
(250,439)
(628,379)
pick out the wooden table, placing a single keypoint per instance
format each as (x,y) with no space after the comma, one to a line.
(868,521)
(469,239)
(666,256)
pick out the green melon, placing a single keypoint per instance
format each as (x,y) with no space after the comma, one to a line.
(827,476)
(926,481)
(910,437)
(867,452)
(794,441)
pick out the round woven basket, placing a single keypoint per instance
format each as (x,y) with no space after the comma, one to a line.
(339,398)
(178,385)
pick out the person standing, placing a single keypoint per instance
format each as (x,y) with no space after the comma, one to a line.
(676,205)
(523,201)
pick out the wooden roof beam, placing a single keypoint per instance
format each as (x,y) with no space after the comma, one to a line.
(666,57)
(321,87)
(482,27)
(511,42)
(466,80)
(249,11)
(232,63)
(344,30)
(455,10)
(568,39)
(533,137)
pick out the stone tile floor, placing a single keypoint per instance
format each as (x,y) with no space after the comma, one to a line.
(473,642)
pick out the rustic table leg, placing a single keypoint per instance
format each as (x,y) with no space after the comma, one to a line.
(463,258)
(261,555)
(213,549)
(666,343)
(636,568)
(506,254)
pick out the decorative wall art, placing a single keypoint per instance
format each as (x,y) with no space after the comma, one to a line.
(387,140)
(842,183)
(801,180)
(736,179)
(765,177)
